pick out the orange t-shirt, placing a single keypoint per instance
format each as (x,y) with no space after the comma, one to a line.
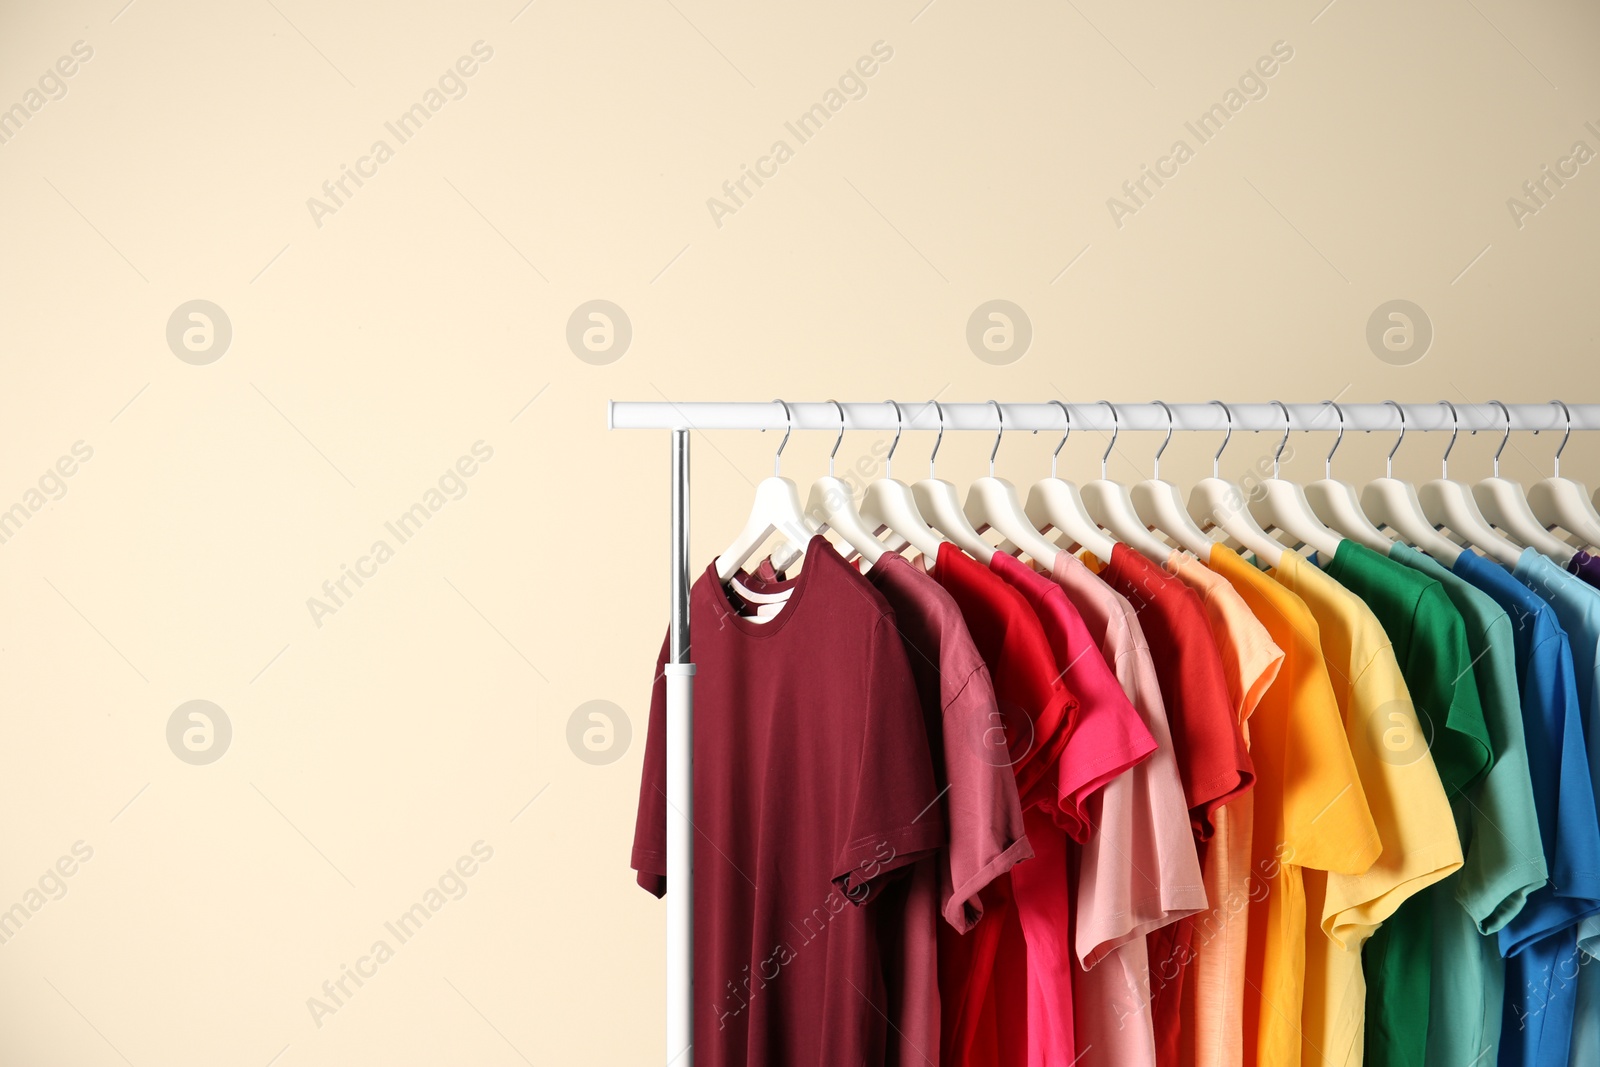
(1310,812)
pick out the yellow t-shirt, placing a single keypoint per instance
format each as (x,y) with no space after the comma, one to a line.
(1406,799)
(1310,812)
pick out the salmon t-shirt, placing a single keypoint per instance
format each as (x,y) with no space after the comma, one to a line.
(1408,804)
(1310,813)
(1212,1011)
(1138,871)
(1212,759)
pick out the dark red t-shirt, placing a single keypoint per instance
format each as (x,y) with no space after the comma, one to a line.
(812,783)
(1213,760)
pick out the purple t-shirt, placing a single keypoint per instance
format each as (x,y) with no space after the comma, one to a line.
(1586,567)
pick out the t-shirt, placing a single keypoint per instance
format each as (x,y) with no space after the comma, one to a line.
(799,822)
(1213,997)
(1497,822)
(1585,566)
(1138,870)
(1212,758)
(983,979)
(1577,605)
(1310,815)
(1429,640)
(1539,1006)
(1407,802)
(1106,738)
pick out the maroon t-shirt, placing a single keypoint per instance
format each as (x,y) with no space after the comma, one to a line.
(812,784)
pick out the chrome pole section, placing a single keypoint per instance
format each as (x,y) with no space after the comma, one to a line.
(680,778)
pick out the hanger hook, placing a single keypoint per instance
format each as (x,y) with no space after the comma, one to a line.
(788,418)
(1068,416)
(1455,430)
(1279,453)
(1327,464)
(1566,414)
(899,428)
(1116,428)
(1388,469)
(1216,459)
(1165,440)
(937,441)
(1506,437)
(1000,419)
(837,441)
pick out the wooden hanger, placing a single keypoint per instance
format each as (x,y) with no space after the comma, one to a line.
(1337,504)
(1218,504)
(831,506)
(1282,505)
(1563,504)
(1505,505)
(776,509)
(992,504)
(1110,506)
(937,500)
(889,506)
(1054,504)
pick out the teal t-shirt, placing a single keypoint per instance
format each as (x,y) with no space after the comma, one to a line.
(1430,641)
(1499,828)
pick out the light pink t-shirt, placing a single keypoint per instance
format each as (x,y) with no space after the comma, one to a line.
(1139,870)
(1105,739)
(1213,997)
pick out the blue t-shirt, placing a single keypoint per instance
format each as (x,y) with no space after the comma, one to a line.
(1540,942)
(1577,605)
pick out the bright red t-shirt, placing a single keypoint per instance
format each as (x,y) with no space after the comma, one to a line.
(1213,759)
(983,981)
(812,784)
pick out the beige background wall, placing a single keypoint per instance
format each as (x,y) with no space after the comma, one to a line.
(372,746)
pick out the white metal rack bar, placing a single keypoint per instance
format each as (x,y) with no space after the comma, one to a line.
(681,418)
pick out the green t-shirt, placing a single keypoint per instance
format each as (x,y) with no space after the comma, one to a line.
(1497,820)
(1430,642)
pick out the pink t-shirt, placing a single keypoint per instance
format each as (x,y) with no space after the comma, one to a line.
(1139,871)
(1107,738)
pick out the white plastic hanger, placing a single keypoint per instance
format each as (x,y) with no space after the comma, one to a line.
(1160,505)
(1215,503)
(888,506)
(776,510)
(1110,506)
(1336,502)
(1563,504)
(992,504)
(1451,509)
(1282,505)
(1054,504)
(937,500)
(1392,503)
(1505,505)
(831,506)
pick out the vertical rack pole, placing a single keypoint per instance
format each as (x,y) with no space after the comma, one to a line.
(680,778)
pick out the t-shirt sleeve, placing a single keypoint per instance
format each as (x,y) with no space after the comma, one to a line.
(1408,805)
(650,822)
(1327,824)
(1504,862)
(984,814)
(895,816)
(1447,693)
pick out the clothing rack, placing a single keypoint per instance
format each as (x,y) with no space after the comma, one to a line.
(681,418)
